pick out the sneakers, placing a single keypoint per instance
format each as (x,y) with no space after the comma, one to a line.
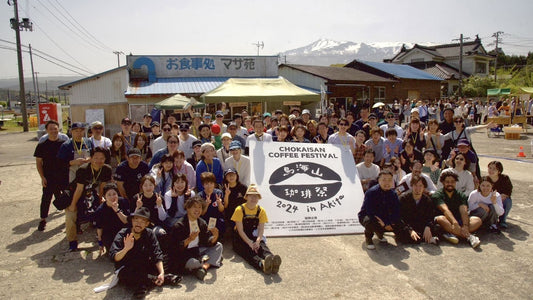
(370,244)
(267,264)
(503,225)
(451,238)
(200,273)
(276,262)
(474,241)
(434,240)
(42,225)
(204,258)
(171,279)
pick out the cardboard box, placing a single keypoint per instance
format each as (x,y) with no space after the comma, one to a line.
(512,133)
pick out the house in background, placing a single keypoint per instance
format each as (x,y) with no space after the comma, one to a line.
(342,86)
(443,61)
(410,82)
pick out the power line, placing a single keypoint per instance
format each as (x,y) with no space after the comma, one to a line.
(63,50)
(68,27)
(51,57)
(81,26)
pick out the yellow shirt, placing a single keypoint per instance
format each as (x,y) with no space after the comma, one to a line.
(237,215)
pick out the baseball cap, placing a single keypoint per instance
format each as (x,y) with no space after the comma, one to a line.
(147,115)
(77,125)
(230,170)
(306,111)
(232,124)
(155,123)
(184,127)
(225,135)
(463,142)
(372,116)
(235,145)
(267,114)
(196,143)
(414,110)
(219,113)
(125,121)
(96,124)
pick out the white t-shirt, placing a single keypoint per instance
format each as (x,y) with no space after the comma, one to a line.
(367,173)
(186,145)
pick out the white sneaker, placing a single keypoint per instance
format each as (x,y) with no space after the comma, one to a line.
(474,241)
(434,240)
(451,238)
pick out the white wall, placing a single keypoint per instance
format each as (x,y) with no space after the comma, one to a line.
(107,88)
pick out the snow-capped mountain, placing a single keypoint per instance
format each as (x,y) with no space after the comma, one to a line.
(325,52)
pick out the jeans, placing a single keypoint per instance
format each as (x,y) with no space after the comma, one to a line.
(507,205)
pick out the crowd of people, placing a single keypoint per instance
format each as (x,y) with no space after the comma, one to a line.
(164,196)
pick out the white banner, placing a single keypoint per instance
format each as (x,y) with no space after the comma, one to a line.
(160,66)
(307,189)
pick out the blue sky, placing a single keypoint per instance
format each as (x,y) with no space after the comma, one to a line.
(231,27)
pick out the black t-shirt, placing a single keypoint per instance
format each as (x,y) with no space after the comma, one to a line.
(92,179)
(53,167)
(131,177)
(146,129)
(236,198)
(106,219)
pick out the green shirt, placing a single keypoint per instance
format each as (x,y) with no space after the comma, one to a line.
(454,202)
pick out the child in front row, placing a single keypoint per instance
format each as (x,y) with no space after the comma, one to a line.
(248,240)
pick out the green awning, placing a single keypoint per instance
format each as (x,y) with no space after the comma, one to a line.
(259,90)
(496,92)
(528,90)
(179,101)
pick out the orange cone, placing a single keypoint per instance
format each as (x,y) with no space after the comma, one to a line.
(521,153)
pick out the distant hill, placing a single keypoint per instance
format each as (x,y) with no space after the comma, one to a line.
(325,52)
(53,82)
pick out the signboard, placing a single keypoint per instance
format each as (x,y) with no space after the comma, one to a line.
(155,66)
(307,189)
(50,111)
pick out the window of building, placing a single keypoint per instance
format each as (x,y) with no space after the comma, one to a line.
(481,67)
(379,93)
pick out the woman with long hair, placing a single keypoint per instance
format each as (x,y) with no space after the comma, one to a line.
(117,151)
(142,142)
(502,184)
(173,205)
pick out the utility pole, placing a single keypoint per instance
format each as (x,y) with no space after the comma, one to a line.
(33,78)
(19,26)
(497,36)
(38,92)
(259,45)
(461,39)
(117,53)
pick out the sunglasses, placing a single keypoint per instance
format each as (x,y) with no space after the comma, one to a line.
(167,129)
(390,117)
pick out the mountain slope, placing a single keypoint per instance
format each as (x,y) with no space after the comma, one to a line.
(325,52)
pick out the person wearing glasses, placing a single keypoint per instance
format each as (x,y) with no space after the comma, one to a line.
(127,133)
(463,132)
(98,139)
(161,142)
(172,146)
(391,124)
(342,137)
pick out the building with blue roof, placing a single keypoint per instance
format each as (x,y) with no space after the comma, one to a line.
(410,82)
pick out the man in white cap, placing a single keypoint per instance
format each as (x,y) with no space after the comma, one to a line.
(239,162)
(97,138)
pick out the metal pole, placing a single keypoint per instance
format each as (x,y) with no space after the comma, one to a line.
(22,93)
(38,92)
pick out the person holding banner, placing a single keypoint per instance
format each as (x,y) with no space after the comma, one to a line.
(248,240)
(380,211)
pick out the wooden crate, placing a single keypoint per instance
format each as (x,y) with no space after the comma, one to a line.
(512,133)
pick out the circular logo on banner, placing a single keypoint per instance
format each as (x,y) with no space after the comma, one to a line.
(305,182)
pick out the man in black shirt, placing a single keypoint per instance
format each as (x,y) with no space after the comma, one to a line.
(136,250)
(129,173)
(90,180)
(52,170)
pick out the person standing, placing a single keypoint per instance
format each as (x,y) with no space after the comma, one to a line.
(76,151)
(97,138)
(52,170)
(186,140)
(127,133)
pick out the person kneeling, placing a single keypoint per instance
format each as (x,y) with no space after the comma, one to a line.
(137,255)
(198,248)
(248,240)
(380,211)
